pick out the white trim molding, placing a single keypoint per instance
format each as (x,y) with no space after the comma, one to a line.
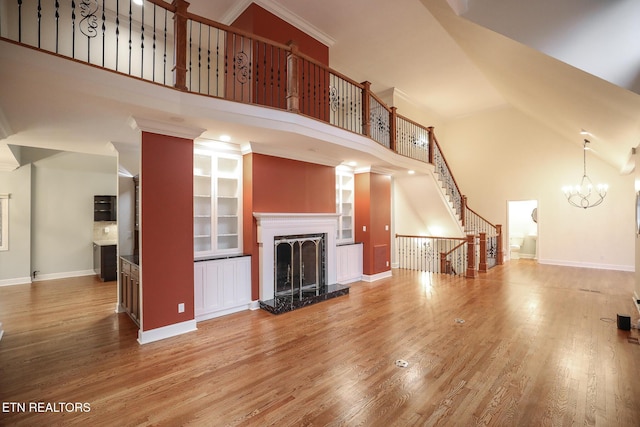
(145,337)
(375,277)
(16,281)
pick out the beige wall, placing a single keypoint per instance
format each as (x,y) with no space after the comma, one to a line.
(503,155)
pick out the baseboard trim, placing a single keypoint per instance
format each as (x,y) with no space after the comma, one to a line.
(146,337)
(16,281)
(255,305)
(374,277)
(351,280)
(628,268)
(63,275)
(218,313)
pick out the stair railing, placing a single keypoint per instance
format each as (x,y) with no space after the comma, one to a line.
(444,255)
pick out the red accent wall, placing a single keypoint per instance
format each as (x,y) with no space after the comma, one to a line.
(166,252)
(275,184)
(373,210)
(263,23)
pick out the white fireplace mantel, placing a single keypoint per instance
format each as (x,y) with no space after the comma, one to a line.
(271,225)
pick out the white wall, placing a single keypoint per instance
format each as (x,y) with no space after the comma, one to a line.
(503,155)
(126,213)
(15,266)
(62,212)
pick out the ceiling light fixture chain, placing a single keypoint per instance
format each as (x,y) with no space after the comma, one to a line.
(583,195)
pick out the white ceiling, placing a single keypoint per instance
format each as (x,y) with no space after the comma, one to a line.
(449,66)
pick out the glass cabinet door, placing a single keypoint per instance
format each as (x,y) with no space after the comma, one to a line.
(217,199)
(344,205)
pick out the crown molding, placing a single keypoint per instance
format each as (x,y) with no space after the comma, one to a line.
(164,128)
(281,12)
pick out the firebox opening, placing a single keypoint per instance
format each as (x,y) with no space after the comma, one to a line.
(300,265)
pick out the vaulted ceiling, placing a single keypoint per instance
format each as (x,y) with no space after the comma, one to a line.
(571,65)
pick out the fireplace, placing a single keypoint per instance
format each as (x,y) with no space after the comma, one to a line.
(297,258)
(300,264)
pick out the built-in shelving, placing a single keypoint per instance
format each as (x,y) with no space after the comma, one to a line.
(344,205)
(217,199)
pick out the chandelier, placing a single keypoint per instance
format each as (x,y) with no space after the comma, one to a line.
(583,195)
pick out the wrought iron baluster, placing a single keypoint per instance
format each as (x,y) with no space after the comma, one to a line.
(142,41)
(117,32)
(153,56)
(73,29)
(130,33)
(217,61)
(20,21)
(164,56)
(190,53)
(209,60)
(104,30)
(57,18)
(199,57)
(39,18)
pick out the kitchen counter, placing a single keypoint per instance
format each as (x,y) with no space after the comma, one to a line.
(105,242)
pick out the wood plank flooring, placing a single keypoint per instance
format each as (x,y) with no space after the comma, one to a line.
(523,345)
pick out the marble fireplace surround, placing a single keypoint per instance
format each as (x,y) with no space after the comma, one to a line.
(271,225)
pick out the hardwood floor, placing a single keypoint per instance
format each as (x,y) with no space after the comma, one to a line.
(523,345)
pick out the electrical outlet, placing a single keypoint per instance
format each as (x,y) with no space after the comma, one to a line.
(181,307)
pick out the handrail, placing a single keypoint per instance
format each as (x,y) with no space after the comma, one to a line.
(431,237)
(481,217)
(457,247)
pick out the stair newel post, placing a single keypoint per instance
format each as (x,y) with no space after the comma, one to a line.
(499,249)
(366,108)
(482,265)
(181,40)
(293,79)
(432,144)
(393,115)
(443,263)
(471,257)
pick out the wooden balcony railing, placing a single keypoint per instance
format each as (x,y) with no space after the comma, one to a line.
(166,44)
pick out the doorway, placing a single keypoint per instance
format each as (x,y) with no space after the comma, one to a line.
(523,229)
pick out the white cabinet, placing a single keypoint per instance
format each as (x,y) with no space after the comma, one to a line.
(222,286)
(217,203)
(349,263)
(344,205)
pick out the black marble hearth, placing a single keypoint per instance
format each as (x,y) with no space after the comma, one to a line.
(283,304)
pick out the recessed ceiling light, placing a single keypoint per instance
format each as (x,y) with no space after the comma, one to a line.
(411,172)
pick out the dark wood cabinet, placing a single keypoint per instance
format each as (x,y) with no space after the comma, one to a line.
(105,208)
(130,287)
(105,262)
